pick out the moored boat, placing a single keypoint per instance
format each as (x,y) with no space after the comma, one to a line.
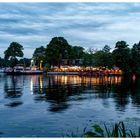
(20,70)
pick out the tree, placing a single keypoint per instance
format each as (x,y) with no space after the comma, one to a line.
(25,61)
(13,51)
(1,62)
(76,55)
(121,45)
(88,59)
(39,55)
(57,49)
(135,61)
(106,49)
(122,56)
(4,63)
(103,58)
(77,52)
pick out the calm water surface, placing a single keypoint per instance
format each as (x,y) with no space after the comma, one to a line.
(53,106)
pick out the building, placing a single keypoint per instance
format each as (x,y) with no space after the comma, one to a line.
(72,62)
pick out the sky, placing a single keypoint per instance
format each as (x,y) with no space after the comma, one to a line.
(89,25)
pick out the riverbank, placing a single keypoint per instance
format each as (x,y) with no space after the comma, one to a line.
(89,74)
(19,71)
(62,73)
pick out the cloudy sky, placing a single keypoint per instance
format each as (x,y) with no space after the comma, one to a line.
(90,25)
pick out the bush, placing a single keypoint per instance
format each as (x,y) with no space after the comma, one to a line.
(117,130)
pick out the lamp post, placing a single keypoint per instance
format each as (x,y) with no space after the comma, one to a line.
(32,63)
(41,64)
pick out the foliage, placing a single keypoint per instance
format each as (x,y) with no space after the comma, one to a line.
(13,62)
(88,59)
(122,56)
(121,45)
(103,58)
(106,49)
(25,61)
(135,60)
(57,49)
(2,64)
(77,52)
(117,130)
(39,55)
(14,50)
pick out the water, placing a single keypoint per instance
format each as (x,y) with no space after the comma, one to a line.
(54,106)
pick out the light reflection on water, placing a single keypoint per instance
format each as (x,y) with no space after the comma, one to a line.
(47,106)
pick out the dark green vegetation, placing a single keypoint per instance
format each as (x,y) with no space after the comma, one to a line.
(10,59)
(13,51)
(60,52)
(117,130)
(39,55)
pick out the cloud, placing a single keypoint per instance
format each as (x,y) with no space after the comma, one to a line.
(83,24)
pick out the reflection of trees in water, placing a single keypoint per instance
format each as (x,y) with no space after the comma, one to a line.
(135,91)
(121,89)
(13,89)
(126,91)
(58,90)
(57,93)
(121,93)
(14,104)
(105,85)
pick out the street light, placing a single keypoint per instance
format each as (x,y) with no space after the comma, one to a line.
(32,62)
(41,64)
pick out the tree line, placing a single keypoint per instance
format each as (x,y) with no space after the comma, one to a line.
(123,56)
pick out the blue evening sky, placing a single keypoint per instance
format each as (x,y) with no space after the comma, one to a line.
(90,25)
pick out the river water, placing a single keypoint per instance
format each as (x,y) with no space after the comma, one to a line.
(57,106)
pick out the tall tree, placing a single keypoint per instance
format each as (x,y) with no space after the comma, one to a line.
(106,49)
(77,52)
(122,56)
(39,55)
(121,45)
(88,59)
(103,58)
(135,62)
(13,51)
(57,49)
(1,62)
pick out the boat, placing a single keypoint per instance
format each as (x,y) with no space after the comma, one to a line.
(21,70)
(1,70)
